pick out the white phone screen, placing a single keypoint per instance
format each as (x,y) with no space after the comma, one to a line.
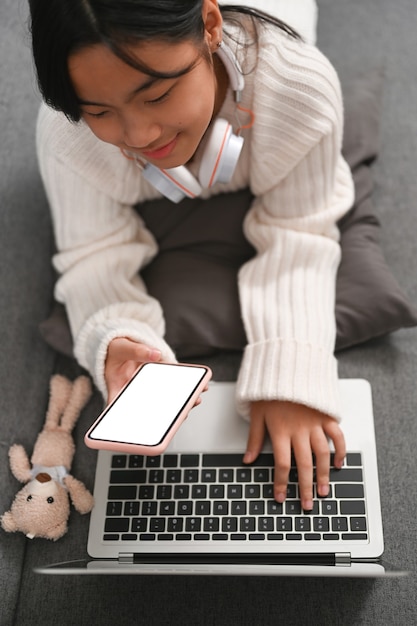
(150,403)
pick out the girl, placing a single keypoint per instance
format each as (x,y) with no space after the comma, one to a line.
(148,82)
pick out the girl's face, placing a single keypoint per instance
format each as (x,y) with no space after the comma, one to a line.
(161,120)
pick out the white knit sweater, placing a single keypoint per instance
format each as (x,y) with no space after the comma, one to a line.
(292,162)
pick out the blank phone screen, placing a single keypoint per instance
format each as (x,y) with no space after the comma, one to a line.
(149,405)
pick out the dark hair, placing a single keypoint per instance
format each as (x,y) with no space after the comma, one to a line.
(61,27)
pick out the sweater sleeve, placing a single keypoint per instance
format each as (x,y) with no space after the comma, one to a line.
(302,187)
(101,242)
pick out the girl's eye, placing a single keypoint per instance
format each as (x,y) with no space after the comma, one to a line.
(96,115)
(161,98)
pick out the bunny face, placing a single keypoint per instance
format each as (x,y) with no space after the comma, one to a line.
(40,509)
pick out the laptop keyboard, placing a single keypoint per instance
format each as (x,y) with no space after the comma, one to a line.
(214,497)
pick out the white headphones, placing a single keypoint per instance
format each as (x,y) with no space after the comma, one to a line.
(221,153)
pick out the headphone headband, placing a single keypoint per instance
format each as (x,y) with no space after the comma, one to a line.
(233,69)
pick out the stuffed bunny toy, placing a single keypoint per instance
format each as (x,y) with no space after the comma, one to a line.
(41,508)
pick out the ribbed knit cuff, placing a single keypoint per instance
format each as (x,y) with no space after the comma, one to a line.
(291,371)
(93,341)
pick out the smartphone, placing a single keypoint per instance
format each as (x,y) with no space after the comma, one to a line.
(148,411)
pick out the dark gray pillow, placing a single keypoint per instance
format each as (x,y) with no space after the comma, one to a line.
(201,248)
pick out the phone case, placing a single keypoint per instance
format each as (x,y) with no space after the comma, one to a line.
(149,450)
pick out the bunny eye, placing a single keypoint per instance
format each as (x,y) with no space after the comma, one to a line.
(50,500)
(29,498)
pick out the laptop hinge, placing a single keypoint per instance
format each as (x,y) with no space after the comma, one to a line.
(126,557)
(343,558)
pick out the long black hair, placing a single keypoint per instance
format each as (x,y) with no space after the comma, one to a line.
(61,27)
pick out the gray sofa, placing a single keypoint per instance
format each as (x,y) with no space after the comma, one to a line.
(355,35)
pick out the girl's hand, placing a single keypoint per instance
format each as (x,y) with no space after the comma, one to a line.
(304,430)
(123,358)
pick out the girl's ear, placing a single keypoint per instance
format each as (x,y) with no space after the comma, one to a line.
(213,23)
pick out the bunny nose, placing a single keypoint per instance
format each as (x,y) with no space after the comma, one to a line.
(43,477)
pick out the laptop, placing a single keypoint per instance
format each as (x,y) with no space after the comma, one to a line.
(197,509)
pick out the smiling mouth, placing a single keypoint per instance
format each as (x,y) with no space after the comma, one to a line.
(161,153)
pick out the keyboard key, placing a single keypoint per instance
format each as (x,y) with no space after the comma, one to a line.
(185,507)
(303,524)
(153,461)
(157,525)
(129,537)
(156,476)
(352,507)
(229,524)
(113,509)
(222,460)
(181,492)
(320,524)
(203,507)
(284,524)
(252,491)
(247,524)
(119,460)
(256,507)
(226,475)
(274,508)
(266,524)
(211,524)
(131,508)
(190,460)
(122,493)
(129,476)
(329,507)
(164,492)
(331,537)
(261,475)
(339,524)
(173,476)
(345,475)
(190,476)
(193,524)
(167,507)
(116,525)
(357,523)
(208,475)
(216,491)
(170,460)
(244,475)
(354,458)
(136,460)
(175,524)
(293,507)
(234,491)
(352,536)
(349,491)
(146,492)
(139,525)
(220,507)
(149,508)
(239,507)
(199,491)
(293,537)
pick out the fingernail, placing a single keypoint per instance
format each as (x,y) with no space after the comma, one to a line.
(324,490)
(307,505)
(248,458)
(155,355)
(280,496)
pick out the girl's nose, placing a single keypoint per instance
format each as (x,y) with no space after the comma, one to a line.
(140,132)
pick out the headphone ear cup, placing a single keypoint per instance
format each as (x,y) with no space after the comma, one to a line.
(221,155)
(175,183)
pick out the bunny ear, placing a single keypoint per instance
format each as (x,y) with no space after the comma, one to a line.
(80,394)
(59,394)
(19,463)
